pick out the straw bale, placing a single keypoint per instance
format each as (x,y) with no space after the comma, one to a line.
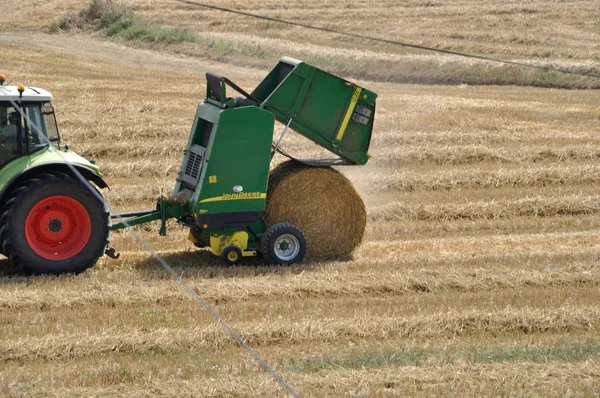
(322,202)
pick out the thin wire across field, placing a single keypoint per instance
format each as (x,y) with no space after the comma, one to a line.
(192,293)
(387,41)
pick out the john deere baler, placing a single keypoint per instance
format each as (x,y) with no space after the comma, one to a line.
(221,187)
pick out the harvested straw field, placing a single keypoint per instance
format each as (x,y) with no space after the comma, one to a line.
(479,272)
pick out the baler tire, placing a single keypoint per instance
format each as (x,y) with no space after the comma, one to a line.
(52,224)
(279,234)
(232,255)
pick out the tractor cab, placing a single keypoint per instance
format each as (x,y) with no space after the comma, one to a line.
(27,121)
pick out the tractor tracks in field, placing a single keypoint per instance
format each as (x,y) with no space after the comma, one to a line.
(401,273)
(491,154)
(447,377)
(69,345)
(536,206)
(480,177)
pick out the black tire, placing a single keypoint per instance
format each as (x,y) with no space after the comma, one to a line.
(279,235)
(78,225)
(198,240)
(232,255)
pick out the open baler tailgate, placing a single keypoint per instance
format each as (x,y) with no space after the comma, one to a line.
(332,112)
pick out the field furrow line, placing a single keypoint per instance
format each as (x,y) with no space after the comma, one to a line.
(399,156)
(472,134)
(520,320)
(538,206)
(395,231)
(421,272)
(449,179)
(460,379)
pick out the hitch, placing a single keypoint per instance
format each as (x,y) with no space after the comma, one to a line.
(165,210)
(111,252)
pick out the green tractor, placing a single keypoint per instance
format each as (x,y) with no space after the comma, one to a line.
(53,222)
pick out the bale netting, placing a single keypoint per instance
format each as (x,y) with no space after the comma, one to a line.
(323,203)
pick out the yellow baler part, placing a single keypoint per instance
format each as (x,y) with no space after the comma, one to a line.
(215,245)
(192,238)
(239,239)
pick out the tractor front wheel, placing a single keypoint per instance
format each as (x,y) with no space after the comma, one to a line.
(53,223)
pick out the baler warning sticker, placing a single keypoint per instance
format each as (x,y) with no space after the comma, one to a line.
(353,102)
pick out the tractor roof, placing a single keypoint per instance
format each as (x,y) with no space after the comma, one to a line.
(31,94)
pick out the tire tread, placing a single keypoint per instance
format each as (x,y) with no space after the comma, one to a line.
(10,206)
(272,232)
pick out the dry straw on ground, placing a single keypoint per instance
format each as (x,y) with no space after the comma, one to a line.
(480,266)
(322,202)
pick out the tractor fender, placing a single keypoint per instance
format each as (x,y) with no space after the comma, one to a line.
(29,172)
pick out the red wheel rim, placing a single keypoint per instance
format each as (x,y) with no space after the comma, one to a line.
(58,228)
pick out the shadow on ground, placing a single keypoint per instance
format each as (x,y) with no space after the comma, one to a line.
(191,263)
(201,263)
(11,274)
(8,269)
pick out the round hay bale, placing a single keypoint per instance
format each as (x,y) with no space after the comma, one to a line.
(322,202)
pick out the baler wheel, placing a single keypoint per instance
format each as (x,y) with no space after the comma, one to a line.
(53,223)
(232,255)
(283,243)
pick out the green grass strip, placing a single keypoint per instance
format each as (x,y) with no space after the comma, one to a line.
(567,353)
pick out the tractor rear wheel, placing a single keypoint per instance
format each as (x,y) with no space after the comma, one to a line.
(53,223)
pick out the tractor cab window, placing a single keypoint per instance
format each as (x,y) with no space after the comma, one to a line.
(50,119)
(35,128)
(34,131)
(10,125)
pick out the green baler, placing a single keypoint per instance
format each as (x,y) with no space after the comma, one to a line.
(221,188)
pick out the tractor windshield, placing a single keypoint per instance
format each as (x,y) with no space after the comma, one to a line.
(42,117)
(21,135)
